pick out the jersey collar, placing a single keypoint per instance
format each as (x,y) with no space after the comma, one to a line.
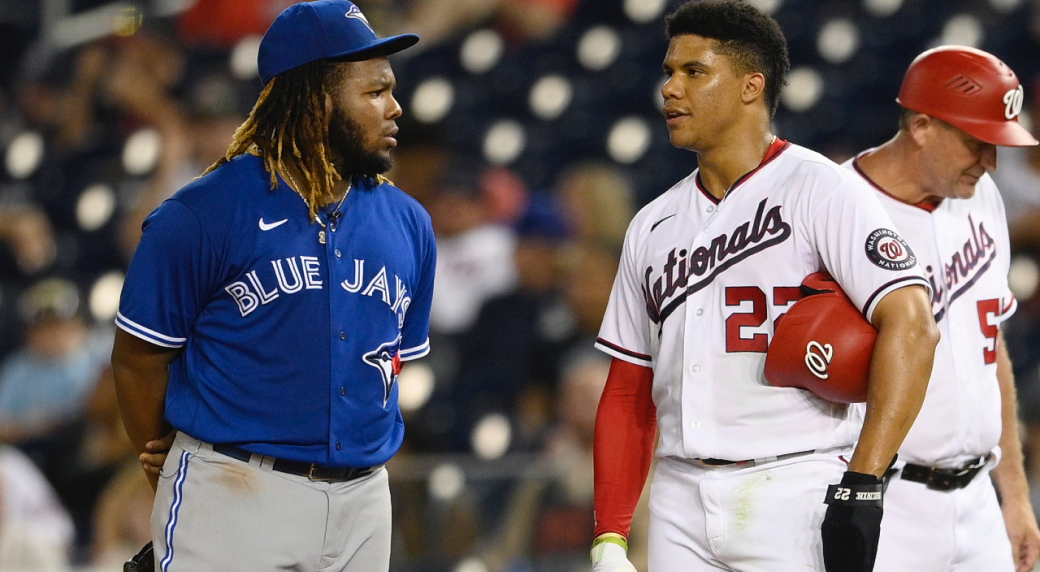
(927,206)
(775,148)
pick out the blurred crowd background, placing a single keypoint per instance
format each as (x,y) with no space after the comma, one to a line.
(531,133)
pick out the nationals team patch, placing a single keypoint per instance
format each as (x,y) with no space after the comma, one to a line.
(888,250)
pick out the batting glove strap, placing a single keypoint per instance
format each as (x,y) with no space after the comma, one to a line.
(856,489)
(852,526)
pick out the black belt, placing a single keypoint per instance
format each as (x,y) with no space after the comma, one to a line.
(711,462)
(309,470)
(944,479)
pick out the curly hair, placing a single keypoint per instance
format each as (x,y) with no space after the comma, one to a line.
(288,126)
(752,39)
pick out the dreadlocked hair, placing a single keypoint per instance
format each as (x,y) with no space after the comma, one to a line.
(288,126)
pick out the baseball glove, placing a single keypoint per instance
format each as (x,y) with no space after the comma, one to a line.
(143,561)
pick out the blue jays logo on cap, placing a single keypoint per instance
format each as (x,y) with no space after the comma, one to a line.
(355,12)
(311,31)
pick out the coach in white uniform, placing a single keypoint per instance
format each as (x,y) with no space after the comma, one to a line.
(941,510)
(707,269)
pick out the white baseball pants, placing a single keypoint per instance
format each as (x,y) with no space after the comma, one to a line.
(954,531)
(763,518)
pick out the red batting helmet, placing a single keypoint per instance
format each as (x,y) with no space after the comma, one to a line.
(822,344)
(969,89)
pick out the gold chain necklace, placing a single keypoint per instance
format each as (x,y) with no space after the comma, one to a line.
(333,214)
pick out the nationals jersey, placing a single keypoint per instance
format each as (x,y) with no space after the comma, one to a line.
(702,282)
(964,250)
(291,334)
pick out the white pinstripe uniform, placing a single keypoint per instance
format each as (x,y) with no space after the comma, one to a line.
(700,286)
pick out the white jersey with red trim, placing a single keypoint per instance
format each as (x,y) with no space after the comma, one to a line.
(964,249)
(702,282)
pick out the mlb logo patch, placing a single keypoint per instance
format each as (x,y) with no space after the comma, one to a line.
(355,13)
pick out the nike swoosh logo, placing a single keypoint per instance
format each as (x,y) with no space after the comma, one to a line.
(266,226)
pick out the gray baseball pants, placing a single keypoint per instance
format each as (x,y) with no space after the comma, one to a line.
(213,513)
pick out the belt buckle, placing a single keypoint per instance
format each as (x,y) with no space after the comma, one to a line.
(312,477)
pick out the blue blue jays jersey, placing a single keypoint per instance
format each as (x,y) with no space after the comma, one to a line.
(291,345)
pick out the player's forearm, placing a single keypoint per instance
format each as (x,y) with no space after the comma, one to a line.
(141,373)
(899,372)
(623,448)
(1009,475)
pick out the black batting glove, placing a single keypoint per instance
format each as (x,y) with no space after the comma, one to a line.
(852,525)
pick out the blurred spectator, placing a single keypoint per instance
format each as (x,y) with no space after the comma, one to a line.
(47,383)
(591,268)
(519,20)
(474,255)
(1018,176)
(508,361)
(549,520)
(91,450)
(222,23)
(35,531)
(122,521)
(144,72)
(599,203)
(505,196)
(28,234)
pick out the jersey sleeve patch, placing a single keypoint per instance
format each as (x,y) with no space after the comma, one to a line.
(621,353)
(886,249)
(147,334)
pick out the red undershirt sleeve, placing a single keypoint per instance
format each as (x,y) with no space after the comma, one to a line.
(626,424)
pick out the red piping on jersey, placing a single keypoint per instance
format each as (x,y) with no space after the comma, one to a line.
(927,206)
(775,148)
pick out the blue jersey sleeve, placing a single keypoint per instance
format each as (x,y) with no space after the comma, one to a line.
(415,334)
(169,278)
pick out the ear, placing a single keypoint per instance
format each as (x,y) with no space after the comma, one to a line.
(754,87)
(920,128)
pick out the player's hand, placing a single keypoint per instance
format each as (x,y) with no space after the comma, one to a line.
(610,557)
(154,455)
(852,525)
(1023,532)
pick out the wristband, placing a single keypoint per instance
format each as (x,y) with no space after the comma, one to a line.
(611,537)
(856,489)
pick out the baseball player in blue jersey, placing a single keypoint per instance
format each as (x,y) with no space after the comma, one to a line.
(268,309)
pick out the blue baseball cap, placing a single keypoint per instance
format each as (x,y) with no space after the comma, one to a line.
(311,31)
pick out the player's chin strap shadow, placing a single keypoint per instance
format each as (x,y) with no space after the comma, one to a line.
(143,561)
